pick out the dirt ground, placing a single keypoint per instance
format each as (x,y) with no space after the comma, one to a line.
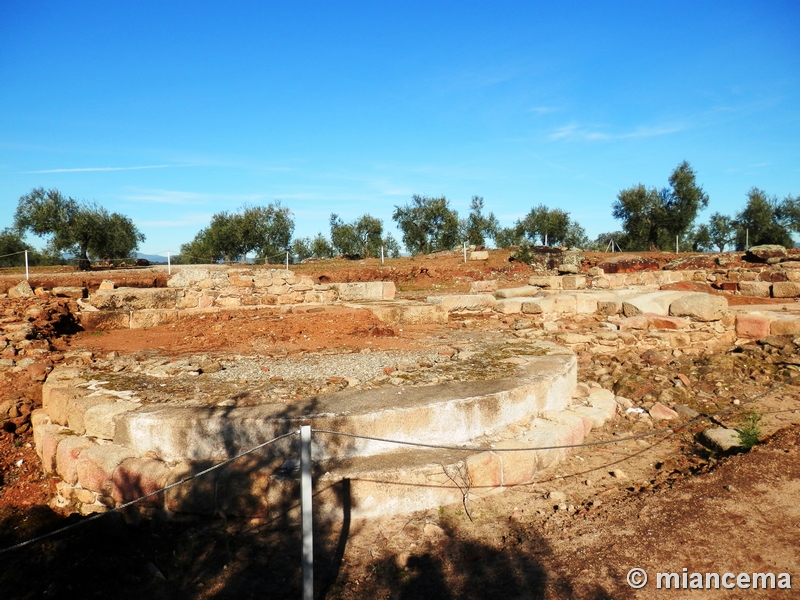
(661,503)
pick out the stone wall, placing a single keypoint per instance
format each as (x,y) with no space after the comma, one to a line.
(200,289)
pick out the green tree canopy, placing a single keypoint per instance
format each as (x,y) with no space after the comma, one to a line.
(653,218)
(721,230)
(78,227)
(265,231)
(763,220)
(428,224)
(478,226)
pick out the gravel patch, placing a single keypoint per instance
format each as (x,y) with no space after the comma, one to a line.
(361,366)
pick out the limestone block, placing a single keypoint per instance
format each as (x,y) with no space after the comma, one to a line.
(484,470)
(785,325)
(600,283)
(99,420)
(753,325)
(134,298)
(144,319)
(544,435)
(241,281)
(193,276)
(700,307)
(67,454)
(609,307)
(479,255)
(190,299)
(510,306)
(573,282)
(652,302)
(478,287)
(517,292)
(759,289)
(196,496)
(59,391)
(661,412)
(138,477)
(532,307)
(666,322)
(466,302)
(96,465)
(722,439)
(105,320)
(516,467)
(564,304)
(371,290)
(78,407)
(107,284)
(69,292)
(580,423)
(786,289)
(553,283)
(228,301)
(21,290)
(48,440)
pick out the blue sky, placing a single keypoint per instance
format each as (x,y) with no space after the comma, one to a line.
(169,112)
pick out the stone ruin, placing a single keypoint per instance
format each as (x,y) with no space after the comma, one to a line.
(108,447)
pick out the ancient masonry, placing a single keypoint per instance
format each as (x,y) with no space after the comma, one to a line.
(108,448)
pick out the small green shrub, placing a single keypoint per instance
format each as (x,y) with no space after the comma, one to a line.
(750,429)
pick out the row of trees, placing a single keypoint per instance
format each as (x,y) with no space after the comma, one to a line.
(655,219)
(651,218)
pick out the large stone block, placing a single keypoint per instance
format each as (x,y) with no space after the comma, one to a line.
(144,319)
(96,465)
(517,467)
(21,290)
(573,282)
(786,289)
(517,292)
(59,391)
(753,325)
(485,470)
(99,420)
(654,302)
(788,325)
(700,307)
(464,302)
(138,477)
(192,276)
(67,454)
(759,289)
(134,298)
(552,283)
(370,290)
(105,320)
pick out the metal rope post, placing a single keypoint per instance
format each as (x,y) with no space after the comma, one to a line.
(305,501)
(26,265)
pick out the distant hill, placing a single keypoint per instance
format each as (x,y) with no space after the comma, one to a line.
(153,258)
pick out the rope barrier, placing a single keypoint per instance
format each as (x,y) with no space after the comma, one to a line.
(122,507)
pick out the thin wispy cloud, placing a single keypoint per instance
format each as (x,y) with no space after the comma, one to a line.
(180,197)
(103,169)
(574,133)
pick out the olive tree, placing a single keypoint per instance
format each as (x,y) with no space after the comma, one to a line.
(76,226)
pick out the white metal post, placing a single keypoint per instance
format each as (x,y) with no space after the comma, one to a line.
(169,265)
(381,255)
(305,501)
(676,244)
(26,265)
(287,260)
(465,252)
